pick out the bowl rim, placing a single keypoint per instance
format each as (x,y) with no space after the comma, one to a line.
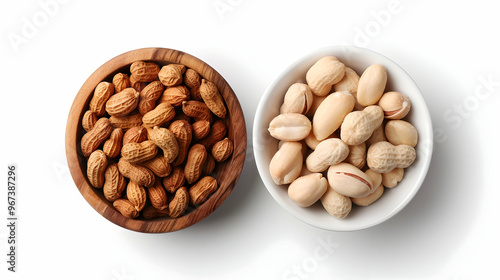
(234,164)
(427,149)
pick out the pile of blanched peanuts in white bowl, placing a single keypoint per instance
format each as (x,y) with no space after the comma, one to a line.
(342,137)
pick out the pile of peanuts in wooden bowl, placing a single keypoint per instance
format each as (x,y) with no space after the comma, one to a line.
(155,140)
(342,139)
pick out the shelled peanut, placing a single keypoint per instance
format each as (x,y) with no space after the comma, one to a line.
(153,137)
(342,137)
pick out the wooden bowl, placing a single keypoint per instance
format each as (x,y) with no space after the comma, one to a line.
(226,173)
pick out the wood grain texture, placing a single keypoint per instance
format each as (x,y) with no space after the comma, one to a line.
(227,173)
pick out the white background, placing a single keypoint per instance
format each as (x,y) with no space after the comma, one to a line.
(449,231)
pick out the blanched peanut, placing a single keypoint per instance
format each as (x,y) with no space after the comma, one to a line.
(290,127)
(349,180)
(392,178)
(331,113)
(383,156)
(349,82)
(375,177)
(371,85)
(298,99)
(323,74)
(317,100)
(336,204)
(328,152)
(377,136)
(376,194)
(400,132)
(302,142)
(306,190)
(358,126)
(312,142)
(395,105)
(286,164)
(357,155)
(357,106)
(369,199)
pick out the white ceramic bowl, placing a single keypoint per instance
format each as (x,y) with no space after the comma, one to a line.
(393,200)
